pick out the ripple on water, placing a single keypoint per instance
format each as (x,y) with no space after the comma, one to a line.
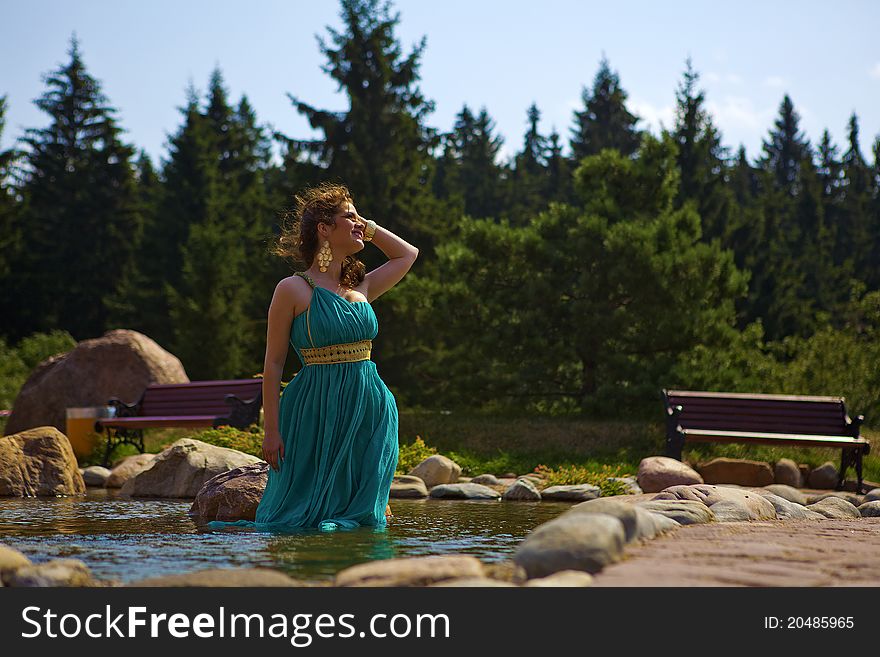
(126,540)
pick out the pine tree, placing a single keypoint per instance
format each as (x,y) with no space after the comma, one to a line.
(559,174)
(529,179)
(701,157)
(873,279)
(604,122)
(81,225)
(9,207)
(786,150)
(854,224)
(216,172)
(379,147)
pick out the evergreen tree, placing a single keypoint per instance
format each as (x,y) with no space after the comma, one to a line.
(81,226)
(701,157)
(9,230)
(216,179)
(786,150)
(604,122)
(529,178)
(854,232)
(873,278)
(559,174)
(379,147)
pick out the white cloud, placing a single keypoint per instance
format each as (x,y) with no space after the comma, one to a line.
(729,78)
(775,81)
(875,72)
(737,114)
(653,116)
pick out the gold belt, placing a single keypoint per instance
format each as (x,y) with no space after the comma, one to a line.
(347,352)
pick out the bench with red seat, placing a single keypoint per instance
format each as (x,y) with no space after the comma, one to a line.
(234,403)
(780,420)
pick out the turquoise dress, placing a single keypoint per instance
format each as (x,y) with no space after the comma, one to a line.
(339,424)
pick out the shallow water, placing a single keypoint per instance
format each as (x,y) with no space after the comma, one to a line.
(125,540)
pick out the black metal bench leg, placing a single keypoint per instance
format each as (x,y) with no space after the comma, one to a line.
(846,459)
(674,445)
(858,460)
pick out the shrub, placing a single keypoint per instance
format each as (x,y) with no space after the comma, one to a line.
(603,477)
(413,454)
(249,441)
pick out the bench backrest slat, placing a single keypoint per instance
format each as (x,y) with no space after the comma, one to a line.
(197,397)
(768,413)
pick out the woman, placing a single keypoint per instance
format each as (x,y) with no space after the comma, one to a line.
(332,438)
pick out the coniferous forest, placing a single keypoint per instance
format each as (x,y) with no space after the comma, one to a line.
(582,276)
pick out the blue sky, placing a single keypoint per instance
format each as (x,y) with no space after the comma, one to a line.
(499,54)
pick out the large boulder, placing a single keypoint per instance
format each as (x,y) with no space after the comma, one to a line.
(659,472)
(410,571)
(786,509)
(232,495)
(786,472)
(121,363)
(183,468)
(823,477)
(129,467)
(870,509)
(573,541)
(624,512)
(758,508)
(39,462)
(742,472)
(436,470)
(873,495)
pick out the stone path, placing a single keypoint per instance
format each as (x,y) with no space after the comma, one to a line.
(768,553)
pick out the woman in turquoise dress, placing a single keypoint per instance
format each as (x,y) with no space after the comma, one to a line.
(331,440)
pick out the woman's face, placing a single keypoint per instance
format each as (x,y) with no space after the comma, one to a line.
(348,235)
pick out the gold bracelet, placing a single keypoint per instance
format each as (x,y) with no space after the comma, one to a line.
(369,230)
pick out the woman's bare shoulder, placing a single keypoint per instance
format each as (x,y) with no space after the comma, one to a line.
(294,292)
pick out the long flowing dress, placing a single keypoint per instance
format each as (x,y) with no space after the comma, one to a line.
(339,425)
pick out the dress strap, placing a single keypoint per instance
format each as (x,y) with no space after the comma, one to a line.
(309,308)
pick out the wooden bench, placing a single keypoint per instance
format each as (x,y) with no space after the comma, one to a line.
(781,420)
(235,403)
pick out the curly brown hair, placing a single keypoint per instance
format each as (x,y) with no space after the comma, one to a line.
(299,228)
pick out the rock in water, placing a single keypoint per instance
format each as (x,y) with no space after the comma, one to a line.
(523,490)
(464,492)
(436,470)
(95,475)
(408,487)
(39,462)
(183,468)
(128,468)
(571,493)
(232,495)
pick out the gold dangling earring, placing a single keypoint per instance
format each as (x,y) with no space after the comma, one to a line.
(325,256)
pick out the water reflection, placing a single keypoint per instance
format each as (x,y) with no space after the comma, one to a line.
(126,539)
